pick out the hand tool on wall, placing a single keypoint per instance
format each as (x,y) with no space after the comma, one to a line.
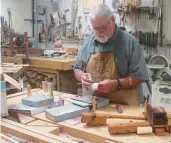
(161,22)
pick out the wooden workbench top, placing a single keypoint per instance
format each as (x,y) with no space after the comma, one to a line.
(96,134)
(52,63)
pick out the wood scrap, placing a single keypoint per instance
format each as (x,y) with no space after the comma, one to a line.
(11,81)
(8,138)
(101,118)
(30,134)
(168,119)
(126,127)
(156,116)
(159,131)
(144,130)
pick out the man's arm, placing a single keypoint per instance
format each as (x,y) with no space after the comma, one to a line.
(78,74)
(129,82)
(137,71)
(82,58)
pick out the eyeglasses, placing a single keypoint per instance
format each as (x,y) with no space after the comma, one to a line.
(102,28)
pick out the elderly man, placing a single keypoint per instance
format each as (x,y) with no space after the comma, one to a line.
(113,58)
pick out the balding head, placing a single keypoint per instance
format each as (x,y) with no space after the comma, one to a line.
(102,22)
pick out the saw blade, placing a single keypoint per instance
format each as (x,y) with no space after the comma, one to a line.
(159,60)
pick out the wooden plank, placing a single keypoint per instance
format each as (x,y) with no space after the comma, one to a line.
(42,70)
(16,60)
(45,63)
(52,63)
(23,119)
(44,126)
(11,81)
(8,138)
(126,127)
(30,134)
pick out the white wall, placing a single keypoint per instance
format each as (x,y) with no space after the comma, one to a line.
(20,10)
(50,8)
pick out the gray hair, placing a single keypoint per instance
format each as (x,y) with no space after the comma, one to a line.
(100,11)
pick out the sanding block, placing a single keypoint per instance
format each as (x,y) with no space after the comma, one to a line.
(37,100)
(65,112)
(86,101)
(28,110)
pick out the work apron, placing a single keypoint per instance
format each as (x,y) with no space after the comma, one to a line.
(102,66)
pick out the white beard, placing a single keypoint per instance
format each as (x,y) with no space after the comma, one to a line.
(102,39)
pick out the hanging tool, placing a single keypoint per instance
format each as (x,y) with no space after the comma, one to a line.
(161,22)
(9,17)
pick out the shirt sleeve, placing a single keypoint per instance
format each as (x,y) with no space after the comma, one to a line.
(79,61)
(83,54)
(137,65)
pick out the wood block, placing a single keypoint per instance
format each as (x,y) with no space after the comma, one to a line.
(167,128)
(159,131)
(140,117)
(169,119)
(126,127)
(15,60)
(100,119)
(160,134)
(144,130)
(156,116)
(44,126)
(30,134)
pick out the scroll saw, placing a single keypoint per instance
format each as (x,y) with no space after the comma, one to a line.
(160,73)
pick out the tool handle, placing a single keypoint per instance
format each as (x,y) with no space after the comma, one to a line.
(140,117)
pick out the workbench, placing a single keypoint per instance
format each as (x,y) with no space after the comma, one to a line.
(96,134)
(57,69)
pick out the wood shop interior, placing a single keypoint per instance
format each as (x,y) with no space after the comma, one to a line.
(85,71)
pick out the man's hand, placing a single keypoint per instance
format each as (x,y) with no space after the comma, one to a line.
(86,80)
(107,86)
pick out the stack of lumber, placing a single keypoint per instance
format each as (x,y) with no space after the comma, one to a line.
(35,78)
